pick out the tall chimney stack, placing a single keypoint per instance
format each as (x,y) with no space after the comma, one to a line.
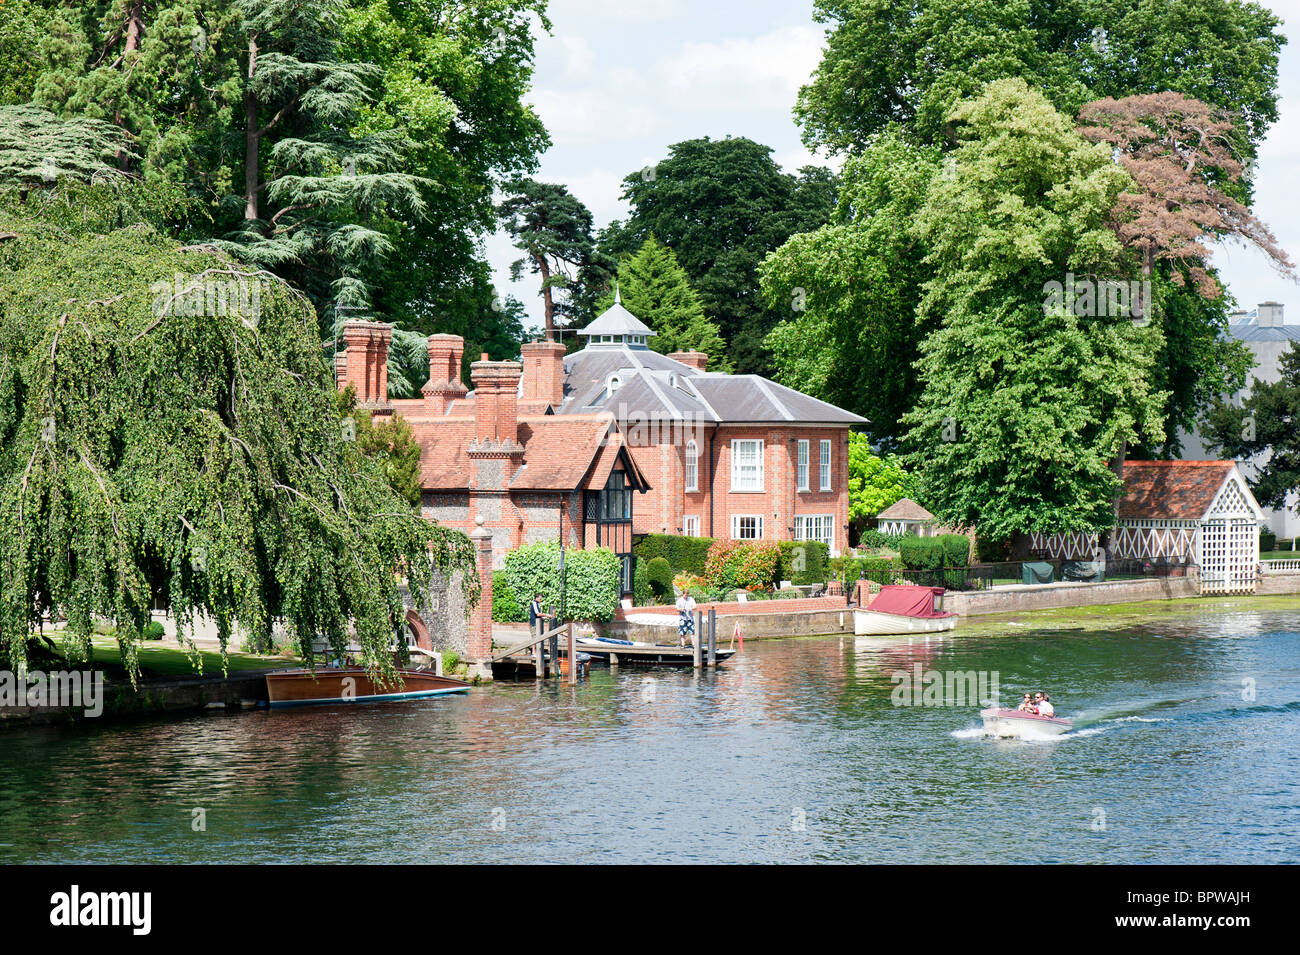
(543,385)
(1269,315)
(366,346)
(444,385)
(496,405)
(696,359)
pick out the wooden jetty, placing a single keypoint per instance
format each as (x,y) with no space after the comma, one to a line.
(542,655)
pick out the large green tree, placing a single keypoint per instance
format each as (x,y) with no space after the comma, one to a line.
(1026,403)
(655,289)
(850,289)
(721,206)
(169,434)
(908,63)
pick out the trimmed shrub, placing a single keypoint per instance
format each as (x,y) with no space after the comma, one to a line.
(684,554)
(153,630)
(741,564)
(506,607)
(956,549)
(803,562)
(875,538)
(592,578)
(660,574)
(1267,540)
(642,596)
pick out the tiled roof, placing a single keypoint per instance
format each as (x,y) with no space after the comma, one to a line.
(905,510)
(1252,332)
(657,387)
(616,320)
(1173,490)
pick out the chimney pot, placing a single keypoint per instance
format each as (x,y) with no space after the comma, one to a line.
(366,345)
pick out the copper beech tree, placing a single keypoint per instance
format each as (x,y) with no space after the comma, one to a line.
(1180,154)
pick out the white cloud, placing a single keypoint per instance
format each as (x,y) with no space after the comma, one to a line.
(762,72)
(587,115)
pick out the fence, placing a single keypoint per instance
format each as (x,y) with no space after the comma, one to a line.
(1031,572)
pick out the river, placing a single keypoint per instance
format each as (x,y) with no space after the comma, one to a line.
(1186,749)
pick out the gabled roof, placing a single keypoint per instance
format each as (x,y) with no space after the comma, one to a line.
(1172,490)
(905,510)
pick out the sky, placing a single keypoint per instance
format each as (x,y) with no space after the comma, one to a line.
(617,82)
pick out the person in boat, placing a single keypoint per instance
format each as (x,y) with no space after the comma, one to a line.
(685,618)
(1026,705)
(1045,707)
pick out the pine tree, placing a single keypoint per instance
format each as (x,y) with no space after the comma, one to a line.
(656,289)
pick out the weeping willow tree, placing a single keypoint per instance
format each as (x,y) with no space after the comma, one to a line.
(169,436)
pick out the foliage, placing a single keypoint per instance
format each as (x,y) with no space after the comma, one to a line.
(888,63)
(654,288)
(875,538)
(935,553)
(641,593)
(850,289)
(875,483)
(721,206)
(660,575)
(1024,405)
(506,607)
(991,550)
(37,149)
(735,564)
(592,580)
(684,554)
(802,562)
(1267,541)
(1266,427)
(153,630)
(552,228)
(212,476)
(390,443)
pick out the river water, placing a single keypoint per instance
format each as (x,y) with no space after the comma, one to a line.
(1186,748)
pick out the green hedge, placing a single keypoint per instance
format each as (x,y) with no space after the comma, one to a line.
(506,607)
(682,553)
(592,588)
(935,553)
(1267,540)
(875,538)
(660,575)
(803,562)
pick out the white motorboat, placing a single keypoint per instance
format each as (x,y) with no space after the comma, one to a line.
(902,610)
(1017,723)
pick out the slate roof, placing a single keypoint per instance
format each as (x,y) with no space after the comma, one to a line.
(1252,332)
(1172,490)
(905,510)
(657,387)
(616,320)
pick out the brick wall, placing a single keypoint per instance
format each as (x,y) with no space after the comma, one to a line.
(749,607)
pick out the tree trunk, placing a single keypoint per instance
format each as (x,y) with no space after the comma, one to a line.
(134,29)
(547,299)
(251,139)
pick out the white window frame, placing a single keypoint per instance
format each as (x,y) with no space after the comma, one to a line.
(801,468)
(691,525)
(735,526)
(817,527)
(737,485)
(826,465)
(692,466)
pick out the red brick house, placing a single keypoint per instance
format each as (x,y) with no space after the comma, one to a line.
(611,441)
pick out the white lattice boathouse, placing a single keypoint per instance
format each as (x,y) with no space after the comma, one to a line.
(1179,513)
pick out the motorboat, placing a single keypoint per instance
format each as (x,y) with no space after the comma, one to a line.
(900,609)
(1023,725)
(348,683)
(612,650)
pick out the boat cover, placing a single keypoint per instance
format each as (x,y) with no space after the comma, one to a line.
(908,601)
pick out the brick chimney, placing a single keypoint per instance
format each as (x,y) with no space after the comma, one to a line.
(696,359)
(496,406)
(366,345)
(444,385)
(543,377)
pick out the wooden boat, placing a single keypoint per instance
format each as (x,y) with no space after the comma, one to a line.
(610,650)
(1022,725)
(901,610)
(351,684)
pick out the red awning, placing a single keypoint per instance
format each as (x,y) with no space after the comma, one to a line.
(908,601)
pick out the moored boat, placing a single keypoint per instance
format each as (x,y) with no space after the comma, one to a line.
(1018,723)
(611,650)
(352,684)
(903,609)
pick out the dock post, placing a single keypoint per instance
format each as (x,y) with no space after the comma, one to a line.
(554,654)
(539,664)
(573,656)
(695,639)
(713,636)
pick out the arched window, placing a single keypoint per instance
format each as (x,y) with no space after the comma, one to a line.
(692,466)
